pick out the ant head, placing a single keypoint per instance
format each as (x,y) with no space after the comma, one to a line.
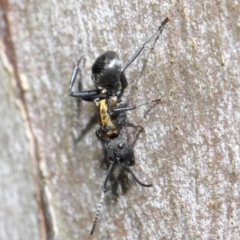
(106,70)
(120,151)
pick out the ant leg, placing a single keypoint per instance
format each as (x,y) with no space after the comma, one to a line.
(74,75)
(135,55)
(123,108)
(99,136)
(80,86)
(137,135)
(89,95)
(124,85)
(123,79)
(121,119)
(102,198)
(135,177)
(93,119)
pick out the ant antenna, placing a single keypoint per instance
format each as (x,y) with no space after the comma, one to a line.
(99,208)
(98,212)
(135,55)
(75,73)
(135,177)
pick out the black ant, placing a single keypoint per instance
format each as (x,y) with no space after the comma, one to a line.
(110,83)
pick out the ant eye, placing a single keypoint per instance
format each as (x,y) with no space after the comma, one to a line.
(121,146)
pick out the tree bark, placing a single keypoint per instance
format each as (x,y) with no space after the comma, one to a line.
(190,146)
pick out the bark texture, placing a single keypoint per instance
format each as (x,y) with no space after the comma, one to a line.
(190,148)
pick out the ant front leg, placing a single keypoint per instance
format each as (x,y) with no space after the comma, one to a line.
(85,95)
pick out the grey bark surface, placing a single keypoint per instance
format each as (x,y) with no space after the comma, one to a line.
(189,149)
